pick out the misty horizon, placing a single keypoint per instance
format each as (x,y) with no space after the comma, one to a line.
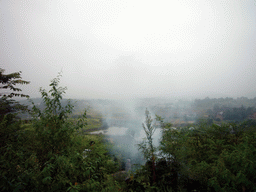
(128,49)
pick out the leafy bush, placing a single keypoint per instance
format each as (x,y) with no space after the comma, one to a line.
(49,156)
(214,158)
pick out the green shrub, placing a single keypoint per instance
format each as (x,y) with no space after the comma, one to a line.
(214,157)
(49,155)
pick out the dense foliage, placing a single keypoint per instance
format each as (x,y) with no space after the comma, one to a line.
(202,158)
(214,158)
(9,81)
(48,156)
(8,106)
(53,154)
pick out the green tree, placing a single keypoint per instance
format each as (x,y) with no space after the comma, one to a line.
(49,155)
(53,130)
(9,127)
(213,158)
(8,81)
(9,106)
(147,146)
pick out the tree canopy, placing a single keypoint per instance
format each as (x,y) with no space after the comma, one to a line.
(9,81)
(8,105)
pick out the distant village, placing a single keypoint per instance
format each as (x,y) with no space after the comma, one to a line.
(178,112)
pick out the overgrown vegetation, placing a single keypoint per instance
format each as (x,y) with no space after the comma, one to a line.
(214,158)
(49,153)
(147,146)
(202,158)
(49,156)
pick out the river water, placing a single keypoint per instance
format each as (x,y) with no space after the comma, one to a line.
(138,136)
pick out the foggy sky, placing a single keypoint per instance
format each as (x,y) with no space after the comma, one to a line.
(128,49)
